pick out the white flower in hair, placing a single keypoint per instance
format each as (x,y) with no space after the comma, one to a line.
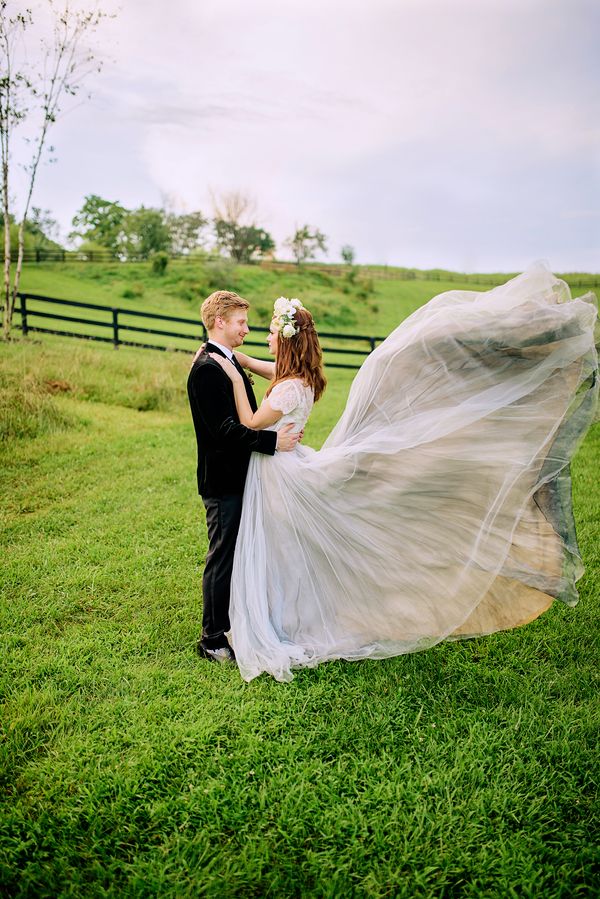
(284,311)
(281,305)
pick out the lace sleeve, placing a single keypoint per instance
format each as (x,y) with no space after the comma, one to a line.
(286,395)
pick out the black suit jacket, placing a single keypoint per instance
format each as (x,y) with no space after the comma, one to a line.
(224,445)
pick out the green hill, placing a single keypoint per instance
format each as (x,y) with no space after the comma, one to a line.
(336,302)
(353,302)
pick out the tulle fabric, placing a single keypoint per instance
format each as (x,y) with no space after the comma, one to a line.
(440,505)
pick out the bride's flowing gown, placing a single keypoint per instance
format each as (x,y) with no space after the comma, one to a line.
(440,505)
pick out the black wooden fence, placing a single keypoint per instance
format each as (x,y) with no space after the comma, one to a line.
(113,325)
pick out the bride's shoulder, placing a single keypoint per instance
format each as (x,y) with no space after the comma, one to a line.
(298,382)
(295,381)
(294,384)
(288,394)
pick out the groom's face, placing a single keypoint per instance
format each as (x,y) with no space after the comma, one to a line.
(235,327)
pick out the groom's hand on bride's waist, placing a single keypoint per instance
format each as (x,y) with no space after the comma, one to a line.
(286,440)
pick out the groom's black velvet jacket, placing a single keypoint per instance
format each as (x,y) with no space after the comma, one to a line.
(224,445)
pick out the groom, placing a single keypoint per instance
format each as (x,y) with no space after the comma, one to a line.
(224,447)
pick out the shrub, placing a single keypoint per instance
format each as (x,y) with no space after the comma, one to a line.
(133,291)
(160,262)
(193,291)
(364,287)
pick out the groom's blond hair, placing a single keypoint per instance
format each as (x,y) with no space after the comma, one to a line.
(221,304)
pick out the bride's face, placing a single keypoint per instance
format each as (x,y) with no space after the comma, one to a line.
(272,339)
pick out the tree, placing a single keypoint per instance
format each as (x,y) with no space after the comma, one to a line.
(40,232)
(43,226)
(144,231)
(136,234)
(235,227)
(243,242)
(160,261)
(32,97)
(305,243)
(99,221)
(348,254)
(186,231)
(234,207)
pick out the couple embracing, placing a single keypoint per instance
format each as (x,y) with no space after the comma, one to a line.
(229,428)
(439,506)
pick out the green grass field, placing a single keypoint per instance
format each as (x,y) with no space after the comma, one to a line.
(132,768)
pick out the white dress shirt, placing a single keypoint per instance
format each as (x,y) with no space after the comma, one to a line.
(228,352)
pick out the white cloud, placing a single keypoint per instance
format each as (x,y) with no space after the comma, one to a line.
(422,132)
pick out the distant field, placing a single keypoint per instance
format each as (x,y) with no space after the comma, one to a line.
(130,768)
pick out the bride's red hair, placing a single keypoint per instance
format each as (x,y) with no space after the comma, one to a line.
(300,356)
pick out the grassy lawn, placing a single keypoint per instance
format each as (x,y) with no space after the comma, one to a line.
(132,768)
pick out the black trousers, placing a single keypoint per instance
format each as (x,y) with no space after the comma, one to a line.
(223,515)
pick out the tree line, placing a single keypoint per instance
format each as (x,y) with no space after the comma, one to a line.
(145,232)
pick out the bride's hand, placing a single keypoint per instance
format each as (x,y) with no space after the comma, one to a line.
(228,367)
(198,351)
(243,360)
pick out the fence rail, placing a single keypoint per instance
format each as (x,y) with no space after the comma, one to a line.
(116,329)
(41,255)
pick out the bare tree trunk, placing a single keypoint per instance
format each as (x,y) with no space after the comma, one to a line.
(21,238)
(56,87)
(6,295)
(18,268)
(5,132)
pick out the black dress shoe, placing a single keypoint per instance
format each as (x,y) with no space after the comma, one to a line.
(215,654)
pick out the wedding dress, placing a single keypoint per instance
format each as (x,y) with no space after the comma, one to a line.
(440,505)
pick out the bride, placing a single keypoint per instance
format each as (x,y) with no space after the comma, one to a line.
(440,505)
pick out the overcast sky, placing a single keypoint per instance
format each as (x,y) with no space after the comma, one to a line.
(454,133)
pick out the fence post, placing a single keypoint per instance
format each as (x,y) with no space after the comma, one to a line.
(115,323)
(372,342)
(24,327)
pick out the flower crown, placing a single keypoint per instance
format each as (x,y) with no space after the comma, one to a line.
(284,311)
